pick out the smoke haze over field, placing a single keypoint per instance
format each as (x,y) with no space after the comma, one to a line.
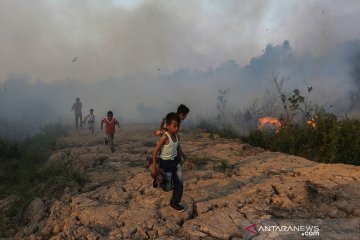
(143,58)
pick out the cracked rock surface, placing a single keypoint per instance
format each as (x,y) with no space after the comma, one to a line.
(231,186)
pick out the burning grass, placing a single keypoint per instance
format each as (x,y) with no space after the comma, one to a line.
(269,121)
(303,128)
(325,139)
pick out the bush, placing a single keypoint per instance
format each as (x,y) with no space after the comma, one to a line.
(25,174)
(224,164)
(331,141)
(200,160)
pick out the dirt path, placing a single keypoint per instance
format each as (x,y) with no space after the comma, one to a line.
(233,186)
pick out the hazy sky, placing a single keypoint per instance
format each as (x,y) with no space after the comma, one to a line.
(142,58)
(95,40)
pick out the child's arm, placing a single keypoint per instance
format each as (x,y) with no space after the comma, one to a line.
(118,124)
(154,155)
(161,129)
(86,117)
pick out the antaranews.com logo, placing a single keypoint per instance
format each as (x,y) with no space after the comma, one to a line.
(303,230)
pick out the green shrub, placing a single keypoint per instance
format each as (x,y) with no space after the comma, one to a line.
(25,174)
(331,141)
(200,160)
(223,164)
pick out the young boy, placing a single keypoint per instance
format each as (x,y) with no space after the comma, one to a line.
(169,145)
(91,121)
(182,111)
(110,123)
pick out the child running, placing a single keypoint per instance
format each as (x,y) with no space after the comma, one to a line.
(170,159)
(110,123)
(91,121)
(182,111)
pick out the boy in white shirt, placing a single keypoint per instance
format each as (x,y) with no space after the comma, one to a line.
(170,159)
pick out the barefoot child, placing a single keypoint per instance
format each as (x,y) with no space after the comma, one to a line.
(110,123)
(170,159)
(91,121)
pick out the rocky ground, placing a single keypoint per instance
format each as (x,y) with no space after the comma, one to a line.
(231,186)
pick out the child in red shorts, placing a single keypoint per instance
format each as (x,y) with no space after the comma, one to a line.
(110,123)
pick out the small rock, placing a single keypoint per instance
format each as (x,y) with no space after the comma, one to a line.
(246,147)
(180,222)
(332,212)
(153,234)
(248,200)
(45,231)
(57,228)
(239,205)
(266,216)
(162,231)
(206,176)
(340,214)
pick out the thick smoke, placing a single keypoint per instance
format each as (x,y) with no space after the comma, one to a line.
(332,76)
(142,60)
(355,94)
(107,40)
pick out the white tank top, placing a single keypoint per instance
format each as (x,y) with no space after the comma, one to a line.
(91,118)
(169,151)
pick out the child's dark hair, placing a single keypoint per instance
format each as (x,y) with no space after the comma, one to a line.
(110,113)
(172,117)
(182,109)
(91,109)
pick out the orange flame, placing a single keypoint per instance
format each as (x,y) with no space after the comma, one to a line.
(311,122)
(269,121)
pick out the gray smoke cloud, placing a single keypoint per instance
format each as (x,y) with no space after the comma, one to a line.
(110,40)
(143,59)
